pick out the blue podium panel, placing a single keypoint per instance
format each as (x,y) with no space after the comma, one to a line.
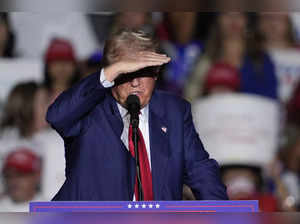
(146,206)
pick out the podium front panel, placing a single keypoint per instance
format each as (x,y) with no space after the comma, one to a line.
(146,206)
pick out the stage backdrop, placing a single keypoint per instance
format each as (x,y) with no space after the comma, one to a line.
(238,128)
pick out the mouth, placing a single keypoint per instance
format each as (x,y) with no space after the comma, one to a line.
(138,93)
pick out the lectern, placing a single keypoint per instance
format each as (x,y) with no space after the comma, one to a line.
(146,206)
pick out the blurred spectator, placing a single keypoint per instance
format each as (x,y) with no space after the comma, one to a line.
(245,182)
(52,149)
(61,72)
(232,42)
(221,78)
(293,108)
(277,35)
(21,171)
(101,22)
(134,20)
(290,157)
(92,64)
(36,30)
(276,30)
(177,36)
(24,125)
(20,121)
(60,67)
(7,38)
(21,112)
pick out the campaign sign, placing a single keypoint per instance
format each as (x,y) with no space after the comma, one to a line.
(146,206)
(238,128)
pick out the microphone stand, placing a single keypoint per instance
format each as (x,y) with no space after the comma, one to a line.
(135,139)
(133,104)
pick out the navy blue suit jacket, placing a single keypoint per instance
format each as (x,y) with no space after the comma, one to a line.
(98,165)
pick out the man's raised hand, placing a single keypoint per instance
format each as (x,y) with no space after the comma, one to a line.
(134,61)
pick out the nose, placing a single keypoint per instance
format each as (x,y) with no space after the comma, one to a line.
(135,82)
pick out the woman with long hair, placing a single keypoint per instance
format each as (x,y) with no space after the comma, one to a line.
(278,37)
(20,111)
(232,40)
(23,124)
(61,70)
(20,121)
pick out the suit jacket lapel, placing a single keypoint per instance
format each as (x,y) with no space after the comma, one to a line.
(115,119)
(114,115)
(159,146)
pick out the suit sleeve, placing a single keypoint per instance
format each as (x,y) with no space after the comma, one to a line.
(201,173)
(66,113)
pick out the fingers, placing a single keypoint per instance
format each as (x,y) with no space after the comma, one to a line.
(149,54)
(147,62)
(134,61)
(153,58)
(153,62)
(145,54)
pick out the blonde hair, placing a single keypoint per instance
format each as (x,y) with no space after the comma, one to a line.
(125,40)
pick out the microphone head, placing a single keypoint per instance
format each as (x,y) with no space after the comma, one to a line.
(133,104)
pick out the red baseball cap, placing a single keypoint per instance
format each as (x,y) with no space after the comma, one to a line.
(222,74)
(23,160)
(60,49)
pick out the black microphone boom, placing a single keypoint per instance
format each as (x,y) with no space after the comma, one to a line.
(133,107)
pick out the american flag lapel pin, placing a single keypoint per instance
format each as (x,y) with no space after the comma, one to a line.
(164,129)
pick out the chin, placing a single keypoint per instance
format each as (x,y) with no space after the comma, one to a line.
(144,103)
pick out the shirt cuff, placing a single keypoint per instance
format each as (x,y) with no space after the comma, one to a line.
(103,80)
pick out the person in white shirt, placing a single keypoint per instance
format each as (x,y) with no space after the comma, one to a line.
(279,39)
(23,125)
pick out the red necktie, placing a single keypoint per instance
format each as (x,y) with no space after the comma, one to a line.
(146,176)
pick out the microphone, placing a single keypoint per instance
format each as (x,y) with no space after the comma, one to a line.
(133,107)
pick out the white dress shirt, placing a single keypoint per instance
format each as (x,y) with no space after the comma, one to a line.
(143,121)
(143,126)
(143,118)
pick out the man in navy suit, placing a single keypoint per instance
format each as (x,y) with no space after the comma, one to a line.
(93,120)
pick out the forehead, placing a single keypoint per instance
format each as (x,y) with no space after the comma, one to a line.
(14,172)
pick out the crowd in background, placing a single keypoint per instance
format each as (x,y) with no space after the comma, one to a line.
(213,55)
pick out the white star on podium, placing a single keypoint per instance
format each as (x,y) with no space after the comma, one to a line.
(157,205)
(150,206)
(129,206)
(136,206)
(143,206)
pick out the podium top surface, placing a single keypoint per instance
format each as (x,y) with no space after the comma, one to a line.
(146,206)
